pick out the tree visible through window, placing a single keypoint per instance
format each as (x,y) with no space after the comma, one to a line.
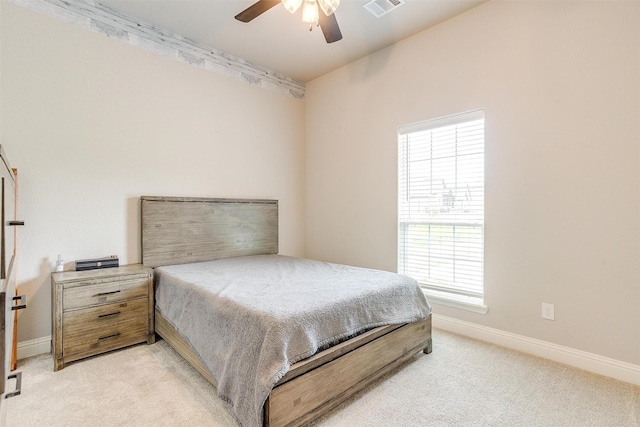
(441,203)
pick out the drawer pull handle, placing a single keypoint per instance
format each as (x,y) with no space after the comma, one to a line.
(22,304)
(117,334)
(18,377)
(101,294)
(103,316)
(14,223)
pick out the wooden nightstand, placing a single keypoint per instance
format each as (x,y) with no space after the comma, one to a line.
(95,311)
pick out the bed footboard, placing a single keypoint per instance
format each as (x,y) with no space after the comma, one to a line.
(308,396)
(316,385)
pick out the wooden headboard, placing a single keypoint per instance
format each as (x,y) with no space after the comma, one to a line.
(181,230)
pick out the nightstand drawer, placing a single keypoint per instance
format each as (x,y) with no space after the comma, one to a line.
(104,315)
(103,293)
(94,341)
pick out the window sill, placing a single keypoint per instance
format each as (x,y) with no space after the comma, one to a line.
(456,301)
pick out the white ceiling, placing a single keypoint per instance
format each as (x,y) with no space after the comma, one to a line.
(280,41)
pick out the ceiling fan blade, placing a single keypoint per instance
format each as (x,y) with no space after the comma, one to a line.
(330,28)
(256,10)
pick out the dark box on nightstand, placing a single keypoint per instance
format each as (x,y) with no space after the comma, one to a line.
(92,264)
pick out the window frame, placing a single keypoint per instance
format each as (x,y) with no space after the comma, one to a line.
(468,297)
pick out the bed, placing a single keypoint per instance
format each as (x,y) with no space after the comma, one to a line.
(217,257)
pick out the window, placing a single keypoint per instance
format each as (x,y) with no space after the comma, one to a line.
(441,205)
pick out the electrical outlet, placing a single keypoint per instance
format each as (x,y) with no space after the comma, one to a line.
(548,311)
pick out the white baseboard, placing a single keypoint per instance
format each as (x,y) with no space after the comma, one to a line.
(613,368)
(34,347)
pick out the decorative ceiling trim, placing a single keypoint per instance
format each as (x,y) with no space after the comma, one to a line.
(96,17)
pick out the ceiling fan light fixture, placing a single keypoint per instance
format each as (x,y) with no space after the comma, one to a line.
(329,6)
(291,5)
(310,12)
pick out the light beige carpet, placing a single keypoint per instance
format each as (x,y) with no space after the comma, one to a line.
(462,383)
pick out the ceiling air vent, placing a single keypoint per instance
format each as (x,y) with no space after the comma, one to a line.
(382,7)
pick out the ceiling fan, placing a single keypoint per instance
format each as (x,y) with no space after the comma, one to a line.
(326,20)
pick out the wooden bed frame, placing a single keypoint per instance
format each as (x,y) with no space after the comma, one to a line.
(179,230)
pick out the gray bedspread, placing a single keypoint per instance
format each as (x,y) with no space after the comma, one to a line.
(251,318)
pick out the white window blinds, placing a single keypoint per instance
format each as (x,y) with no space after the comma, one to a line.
(441,203)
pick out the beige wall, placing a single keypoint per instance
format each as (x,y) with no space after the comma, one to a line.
(92,124)
(560,86)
